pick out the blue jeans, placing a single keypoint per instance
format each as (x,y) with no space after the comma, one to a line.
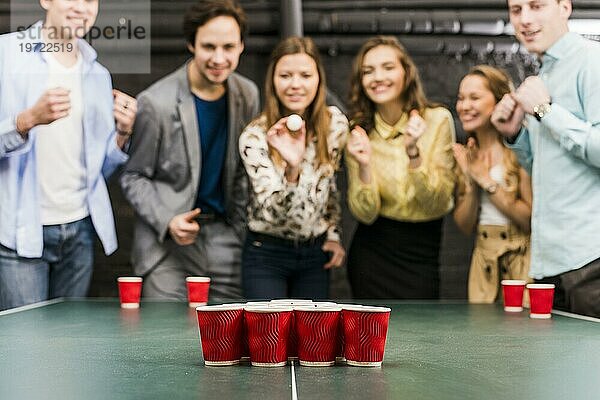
(64,270)
(276,269)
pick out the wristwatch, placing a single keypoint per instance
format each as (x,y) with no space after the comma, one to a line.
(491,188)
(541,109)
(414,154)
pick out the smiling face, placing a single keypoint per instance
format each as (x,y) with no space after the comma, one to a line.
(296,81)
(217,49)
(70,18)
(382,75)
(475,103)
(539,24)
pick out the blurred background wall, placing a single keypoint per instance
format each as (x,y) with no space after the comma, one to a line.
(444,37)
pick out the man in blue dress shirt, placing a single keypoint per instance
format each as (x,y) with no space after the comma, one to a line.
(552,122)
(62,130)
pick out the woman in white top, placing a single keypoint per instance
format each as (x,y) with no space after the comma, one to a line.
(493,192)
(294,211)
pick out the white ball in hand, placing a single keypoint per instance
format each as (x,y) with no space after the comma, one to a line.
(294,122)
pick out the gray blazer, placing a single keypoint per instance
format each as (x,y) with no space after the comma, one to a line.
(161,178)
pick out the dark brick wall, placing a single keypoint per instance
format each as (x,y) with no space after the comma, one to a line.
(444,43)
(441,71)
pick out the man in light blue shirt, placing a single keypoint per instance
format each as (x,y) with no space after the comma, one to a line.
(58,143)
(552,122)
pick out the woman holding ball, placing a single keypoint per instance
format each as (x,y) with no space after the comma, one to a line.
(294,211)
(400,173)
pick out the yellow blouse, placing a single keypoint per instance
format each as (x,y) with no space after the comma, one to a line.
(421,194)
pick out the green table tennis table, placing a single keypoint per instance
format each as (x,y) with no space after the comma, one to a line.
(92,349)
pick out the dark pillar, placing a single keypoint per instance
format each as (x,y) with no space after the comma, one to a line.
(291,18)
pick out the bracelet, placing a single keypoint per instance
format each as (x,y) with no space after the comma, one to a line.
(413,156)
(127,134)
(513,140)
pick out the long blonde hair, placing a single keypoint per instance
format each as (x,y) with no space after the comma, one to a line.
(317,116)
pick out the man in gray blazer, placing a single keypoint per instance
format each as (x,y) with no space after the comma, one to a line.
(184,177)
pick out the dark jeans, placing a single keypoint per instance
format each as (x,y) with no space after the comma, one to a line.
(278,268)
(577,291)
(64,270)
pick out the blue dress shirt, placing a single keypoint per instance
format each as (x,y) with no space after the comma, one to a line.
(23,77)
(562,155)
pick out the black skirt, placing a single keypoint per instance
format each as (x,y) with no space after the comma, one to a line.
(395,260)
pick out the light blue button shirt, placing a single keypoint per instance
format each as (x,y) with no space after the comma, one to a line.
(562,155)
(23,77)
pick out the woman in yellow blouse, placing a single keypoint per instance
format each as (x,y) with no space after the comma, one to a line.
(399,160)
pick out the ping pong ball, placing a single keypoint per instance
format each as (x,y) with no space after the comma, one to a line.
(294,122)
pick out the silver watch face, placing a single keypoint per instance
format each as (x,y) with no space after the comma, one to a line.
(541,109)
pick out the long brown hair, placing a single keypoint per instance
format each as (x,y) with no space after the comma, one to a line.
(499,83)
(362,109)
(317,116)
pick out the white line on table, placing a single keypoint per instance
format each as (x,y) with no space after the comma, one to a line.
(576,316)
(32,306)
(294,389)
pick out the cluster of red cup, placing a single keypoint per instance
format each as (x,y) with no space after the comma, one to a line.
(130,290)
(271,333)
(541,296)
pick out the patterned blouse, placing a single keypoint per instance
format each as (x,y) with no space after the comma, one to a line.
(299,211)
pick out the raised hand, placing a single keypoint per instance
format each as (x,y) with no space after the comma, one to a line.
(474,163)
(415,127)
(531,93)
(508,116)
(359,146)
(290,146)
(479,163)
(53,104)
(183,228)
(124,110)
(460,155)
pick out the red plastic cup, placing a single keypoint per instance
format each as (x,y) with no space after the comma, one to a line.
(268,330)
(340,338)
(246,350)
(293,339)
(318,334)
(197,287)
(541,297)
(130,291)
(513,294)
(221,333)
(365,333)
